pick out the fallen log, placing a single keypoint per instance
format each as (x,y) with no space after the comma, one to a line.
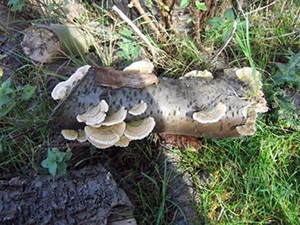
(203,106)
(88,196)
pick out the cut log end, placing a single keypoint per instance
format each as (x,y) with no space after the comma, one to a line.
(41,44)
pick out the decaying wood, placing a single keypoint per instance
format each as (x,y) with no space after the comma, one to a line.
(47,43)
(88,196)
(172,103)
(120,79)
(181,189)
(180,141)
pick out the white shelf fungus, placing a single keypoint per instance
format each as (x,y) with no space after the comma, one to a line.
(123,142)
(141,66)
(105,136)
(138,109)
(94,115)
(198,73)
(211,115)
(69,134)
(115,117)
(81,136)
(62,89)
(247,75)
(139,129)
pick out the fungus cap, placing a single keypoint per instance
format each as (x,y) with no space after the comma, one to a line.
(98,145)
(63,88)
(81,136)
(211,115)
(115,117)
(138,109)
(60,90)
(250,76)
(139,129)
(79,74)
(69,134)
(123,142)
(94,114)
(141,66)
(200,74)
(102,135)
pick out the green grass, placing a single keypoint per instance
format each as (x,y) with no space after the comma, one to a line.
(253,180)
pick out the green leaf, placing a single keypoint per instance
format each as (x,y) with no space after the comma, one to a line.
(184,3)
(16,4)
(68,156)
(216,22)
(200,6)
(229,15)
(61,168)
(289,73)
(53,169)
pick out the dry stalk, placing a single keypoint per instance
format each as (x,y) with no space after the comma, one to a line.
(138,6)
(153,50)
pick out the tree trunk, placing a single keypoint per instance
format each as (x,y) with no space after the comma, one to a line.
(88,196)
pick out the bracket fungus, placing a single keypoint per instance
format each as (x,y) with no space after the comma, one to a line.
(198,73)
(81,136)
(95,114)
(113,118)
(211,115)
(70,135)
(138,109)
(139,129)
(202,106)
(62,89)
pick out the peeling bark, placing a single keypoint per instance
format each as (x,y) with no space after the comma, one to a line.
(89,196)
(172,103)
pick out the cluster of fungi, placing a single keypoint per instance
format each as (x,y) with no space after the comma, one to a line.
(103,126)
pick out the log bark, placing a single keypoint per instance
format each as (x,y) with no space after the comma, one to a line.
(88,196)
(171,103)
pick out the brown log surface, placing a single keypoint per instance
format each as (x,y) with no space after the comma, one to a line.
(87,196)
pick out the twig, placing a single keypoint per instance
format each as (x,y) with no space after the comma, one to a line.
(226,42)
(69,145)
(283,35)
(258,9)
(136,29)
(138,6)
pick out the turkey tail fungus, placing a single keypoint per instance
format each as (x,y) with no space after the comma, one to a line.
(223,105)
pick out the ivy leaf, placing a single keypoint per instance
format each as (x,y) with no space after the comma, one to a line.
(56,161)
(184,3)
(61,168)
(216,22)
(229,15)
(200,6)
(16,4)
(53,169)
